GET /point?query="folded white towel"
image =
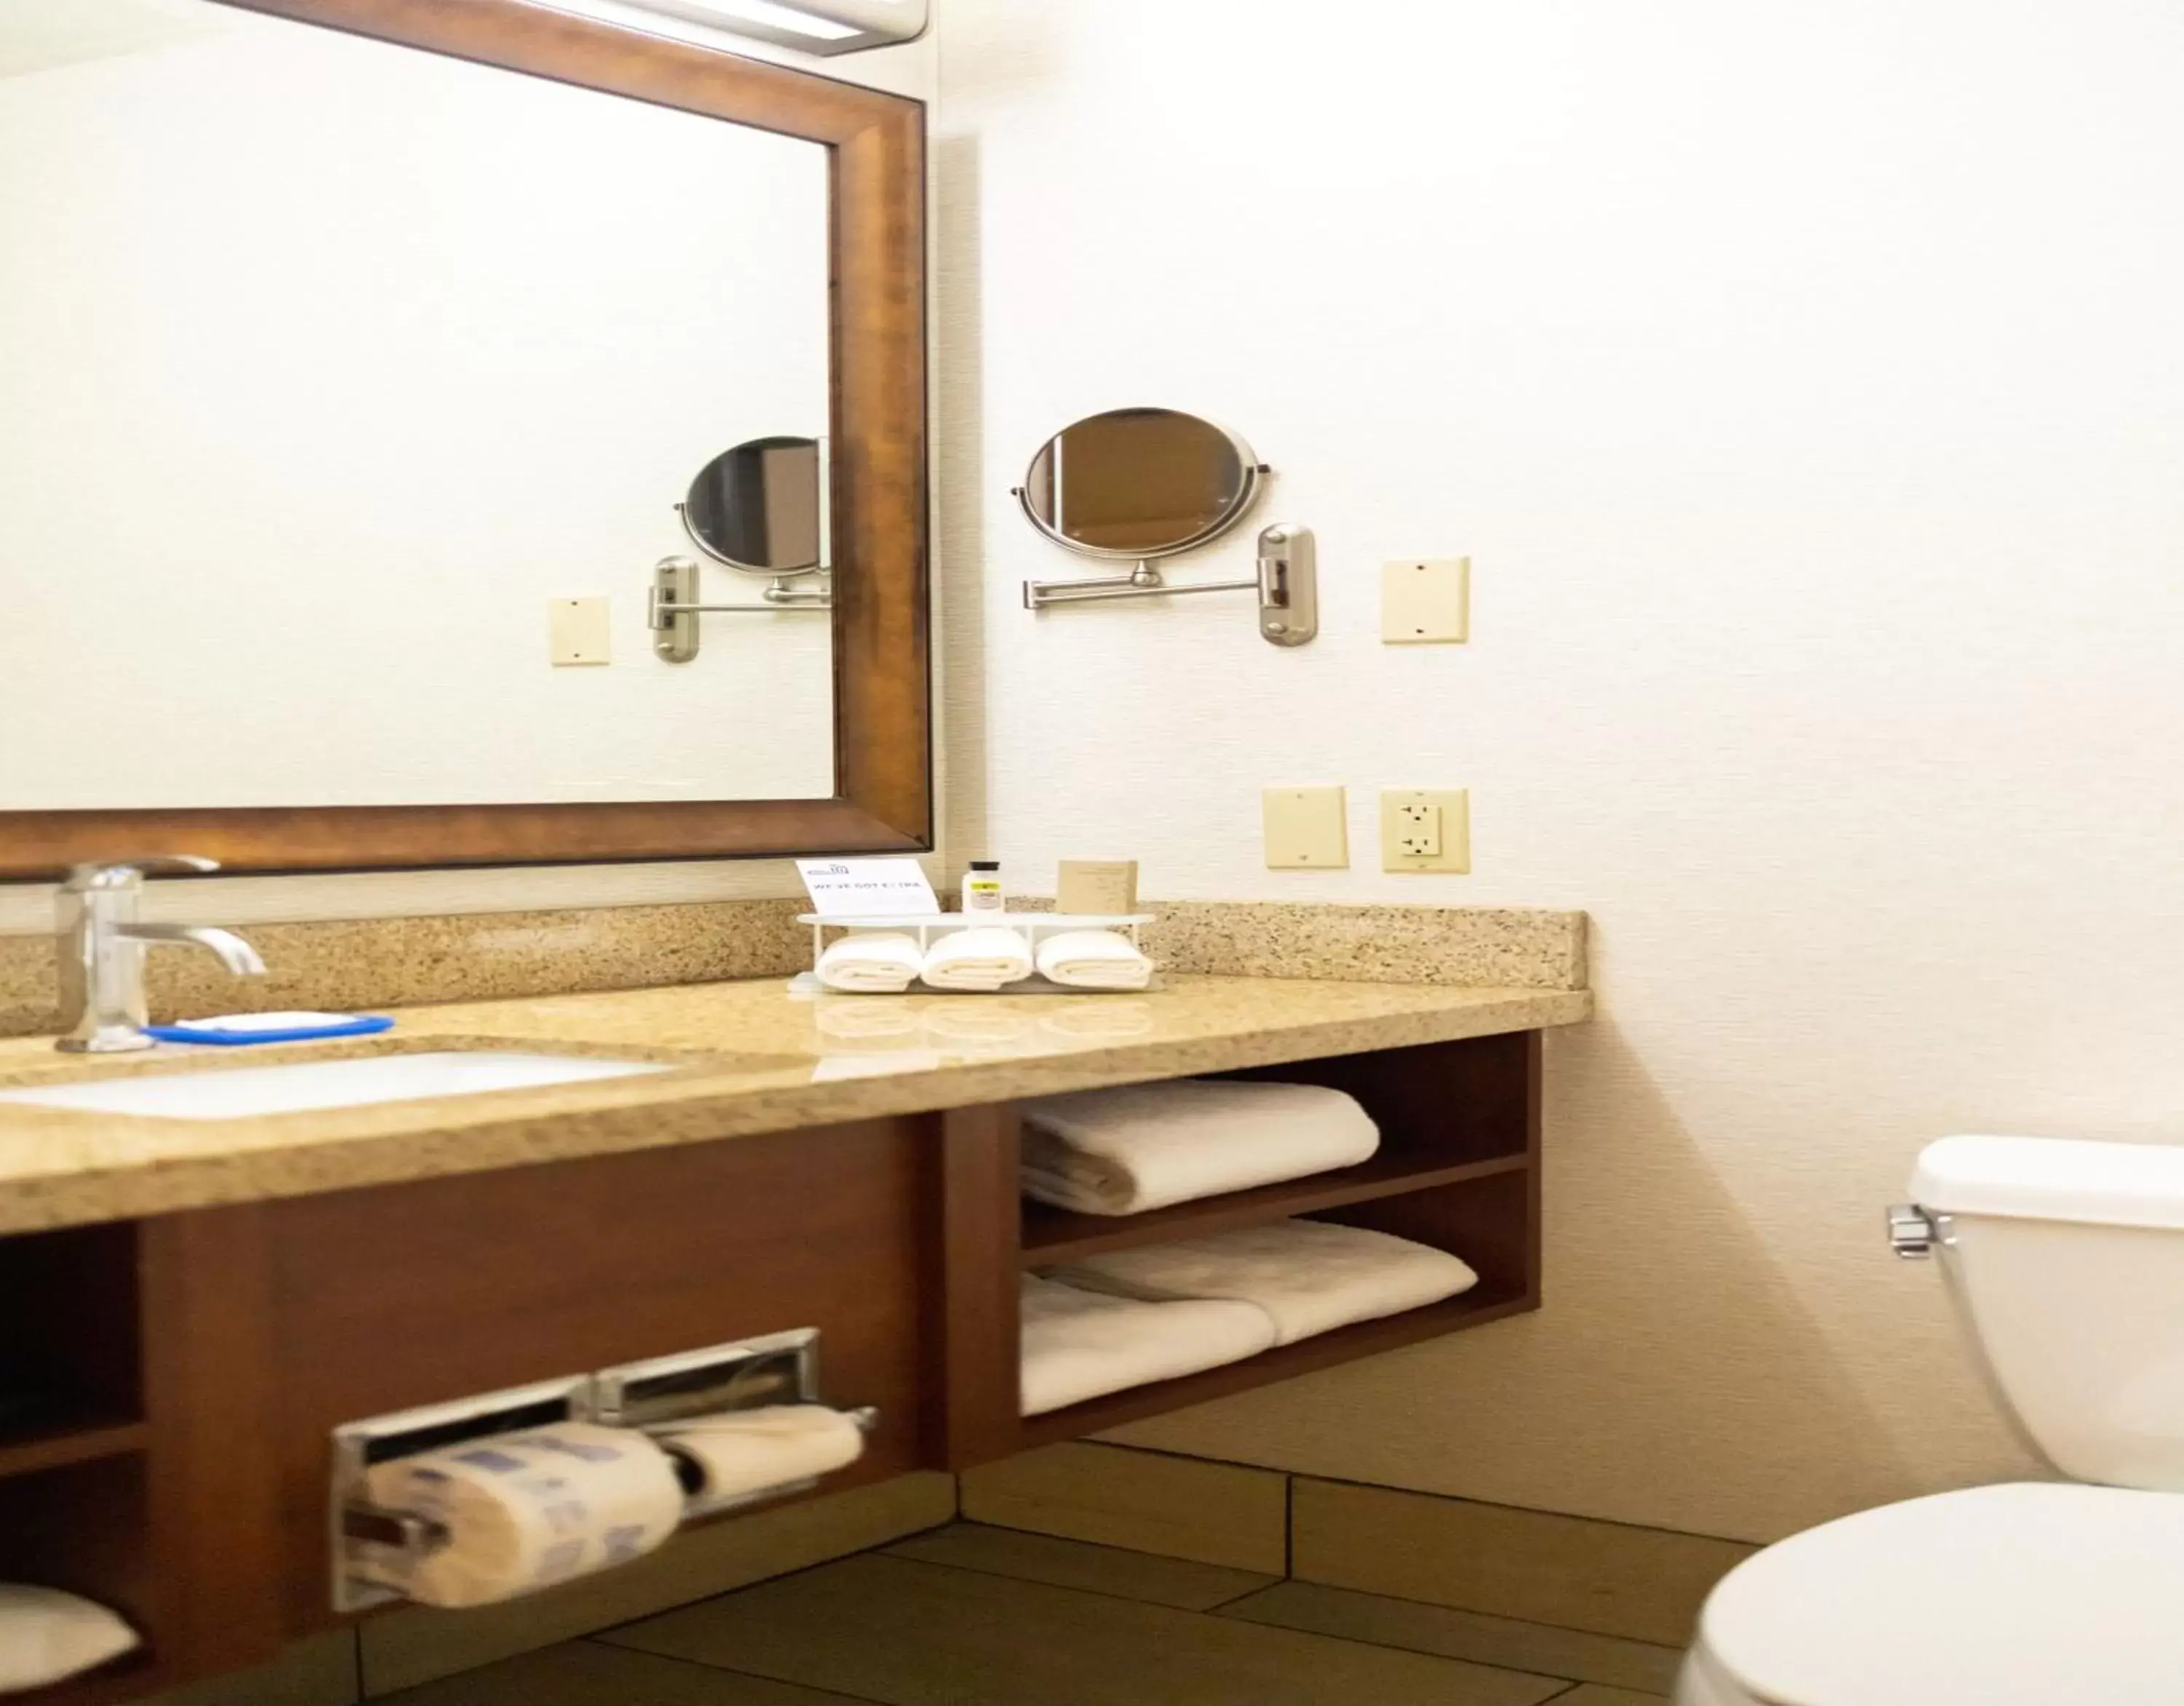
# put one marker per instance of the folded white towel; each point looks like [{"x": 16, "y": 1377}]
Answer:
[
  {"x": 47, "y": 1636},
  {"x": 1308, "y": 1275},
  {"x": 873, "y": 963},
  {"x": 984, "y": 959},
  {"x": 1093, "y": 959},
  {"x": 1080, "y": 1345},
  {"x": 1145, "y": 1146}
]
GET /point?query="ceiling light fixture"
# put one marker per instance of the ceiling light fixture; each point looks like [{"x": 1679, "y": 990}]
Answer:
[{"x": 817, "y": 26}]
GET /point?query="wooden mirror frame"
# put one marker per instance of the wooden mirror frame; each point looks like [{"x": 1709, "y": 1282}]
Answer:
[{"x": 883, "y": 799}]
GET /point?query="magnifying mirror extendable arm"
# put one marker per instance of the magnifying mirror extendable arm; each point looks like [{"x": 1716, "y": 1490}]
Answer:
[
  {"x": 1143, "y": 484},
  {"x": 1145, "y": 581},
  {"x": 1288, "y": 586}
]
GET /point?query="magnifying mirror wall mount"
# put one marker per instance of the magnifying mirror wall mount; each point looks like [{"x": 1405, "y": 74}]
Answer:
[{"x": 1141, "y": 486}]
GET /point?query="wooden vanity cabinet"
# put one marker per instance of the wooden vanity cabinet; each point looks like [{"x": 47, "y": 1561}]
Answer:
[
  {"x": 199, "y": 1361},
  {"x": 202, "y": 1512}
]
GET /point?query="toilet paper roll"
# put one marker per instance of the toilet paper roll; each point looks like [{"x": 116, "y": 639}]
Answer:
[
  {"x": 525, "y": 1511},
  {"x": 750, "y": 1450}
]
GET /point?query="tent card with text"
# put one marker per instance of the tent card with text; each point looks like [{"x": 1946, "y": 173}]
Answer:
[{"x": 867, "y": 887}]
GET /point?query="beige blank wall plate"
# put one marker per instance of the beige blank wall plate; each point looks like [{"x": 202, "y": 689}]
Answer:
[
  {"x": 1306, "y": 828},
  {"x": 576, "y": 630},
  {"x": 1425, "y": 829},
  {"x": 1426, "y": 601}
]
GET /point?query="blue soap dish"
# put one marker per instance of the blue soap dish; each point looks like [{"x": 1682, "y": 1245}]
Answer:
[{"x": 242, "y": 1029}]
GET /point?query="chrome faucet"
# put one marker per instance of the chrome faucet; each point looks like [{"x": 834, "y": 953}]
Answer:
[{"x": 103, "y": 946}]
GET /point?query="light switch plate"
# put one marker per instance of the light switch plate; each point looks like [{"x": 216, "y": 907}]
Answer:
[
  {"x": 1426, "y": 601},
  {"x": 1425, "y": 829},
  {"x": 576, "y": 630},
  {"x": 1306, "y": 828}
]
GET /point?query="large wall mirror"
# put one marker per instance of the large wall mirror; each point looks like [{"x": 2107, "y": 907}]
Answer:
[{"x": 355, "y": 382}]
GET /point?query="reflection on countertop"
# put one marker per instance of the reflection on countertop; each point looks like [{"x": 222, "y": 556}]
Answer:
[{"x": 750, "y": 1058}]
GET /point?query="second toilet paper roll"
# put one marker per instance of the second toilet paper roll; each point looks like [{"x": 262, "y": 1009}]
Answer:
[
  {"x": 750, "y": 1451},
  {"x": 526, "y": 1511}
]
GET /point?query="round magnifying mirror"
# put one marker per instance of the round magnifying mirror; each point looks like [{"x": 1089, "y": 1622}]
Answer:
[
  {"x": 757, "y": 508},
  {"x": 1141, "y": 483}
]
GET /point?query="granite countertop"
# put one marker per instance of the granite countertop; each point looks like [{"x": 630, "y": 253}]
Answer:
[{"x": 749, "y": 1058}]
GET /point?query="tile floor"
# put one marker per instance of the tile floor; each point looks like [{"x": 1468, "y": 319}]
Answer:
[{"x": 974, "y": 1616}]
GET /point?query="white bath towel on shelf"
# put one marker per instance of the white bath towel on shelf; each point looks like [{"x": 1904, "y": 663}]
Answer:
[
  {"x": 1146, "y": 1146},
  {"x": 873, "y": 963},
  {"x": 47, "y": 1636},
  {"x": 1308, "y": 1275},
  {"x": 1080, "y": 1345},
  {"x": 1093, "y": 959},
  {"x": 985, "y": 959}
]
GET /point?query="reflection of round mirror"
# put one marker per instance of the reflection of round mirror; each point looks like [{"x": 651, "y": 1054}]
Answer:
[
  {"x": 1141, "y": 483},
  {"x": 756, "y": 507}
]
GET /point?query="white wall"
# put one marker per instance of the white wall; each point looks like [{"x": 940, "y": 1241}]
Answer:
[
  {"x": 1807, "y": 382},
  {"x": 329, "y": 363}
]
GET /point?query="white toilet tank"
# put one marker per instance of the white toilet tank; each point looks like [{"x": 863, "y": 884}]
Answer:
[{"x": 2067, "y": 1261}]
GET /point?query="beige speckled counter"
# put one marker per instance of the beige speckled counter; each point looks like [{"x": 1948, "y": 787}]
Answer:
[{"x": 747, "y": 1057}]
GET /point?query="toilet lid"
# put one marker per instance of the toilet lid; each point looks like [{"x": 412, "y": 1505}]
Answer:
[{"x": 2026, "y": 1595}]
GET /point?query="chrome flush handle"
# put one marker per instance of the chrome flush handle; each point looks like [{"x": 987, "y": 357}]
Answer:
[{"x": 1912, "y": 1232}]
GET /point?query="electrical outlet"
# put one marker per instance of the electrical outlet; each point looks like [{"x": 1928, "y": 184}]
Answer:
[
  {"x": 1306, "y": 828},
  {"x": 577, "y": 631},
  {"x": 1418, "y": 830},
  {"x": 1426, "y": 601},
  {"x": 1425, "y": 829}
]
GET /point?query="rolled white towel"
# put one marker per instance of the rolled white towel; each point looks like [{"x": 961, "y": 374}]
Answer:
[
  {"x": 1146, "y": 1146},
  {"x": 1080, "y": 1345},
  {"x": 876, "y": 963},
  {"x": 984, "y": 959},
  {"x": 1093, "y": 959},
  {"x": 1308, "y": 1275}
]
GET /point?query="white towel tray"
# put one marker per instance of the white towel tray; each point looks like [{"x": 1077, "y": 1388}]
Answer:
[{"x": 926, "y": 927}]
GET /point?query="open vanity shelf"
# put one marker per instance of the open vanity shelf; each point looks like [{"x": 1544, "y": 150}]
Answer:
[
  {"x": 1458, "y": 1169},
  {"x": 192, "y": 1368},
  {"x": 75, "y": 1478}
]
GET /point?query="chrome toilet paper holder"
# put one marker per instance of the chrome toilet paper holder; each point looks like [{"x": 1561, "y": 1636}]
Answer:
[
  {"x": 654, "y": 1397},
  {"x": 363, "y": 1533}
]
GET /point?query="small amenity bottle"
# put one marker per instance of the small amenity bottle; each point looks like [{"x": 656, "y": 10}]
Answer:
[{"x": 981, "y": 888}]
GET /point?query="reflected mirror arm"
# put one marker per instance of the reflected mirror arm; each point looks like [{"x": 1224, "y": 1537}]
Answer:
[{"x": 672, "y": 608}]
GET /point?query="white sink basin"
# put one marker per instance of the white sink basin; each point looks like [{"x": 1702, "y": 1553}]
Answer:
[{"x": 237, "y": 1092}]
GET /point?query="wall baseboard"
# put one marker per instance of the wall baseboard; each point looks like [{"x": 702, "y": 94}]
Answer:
[
  {"x": 1605, "y": 1578},
  {"x": 1141, "y": 1501}
]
